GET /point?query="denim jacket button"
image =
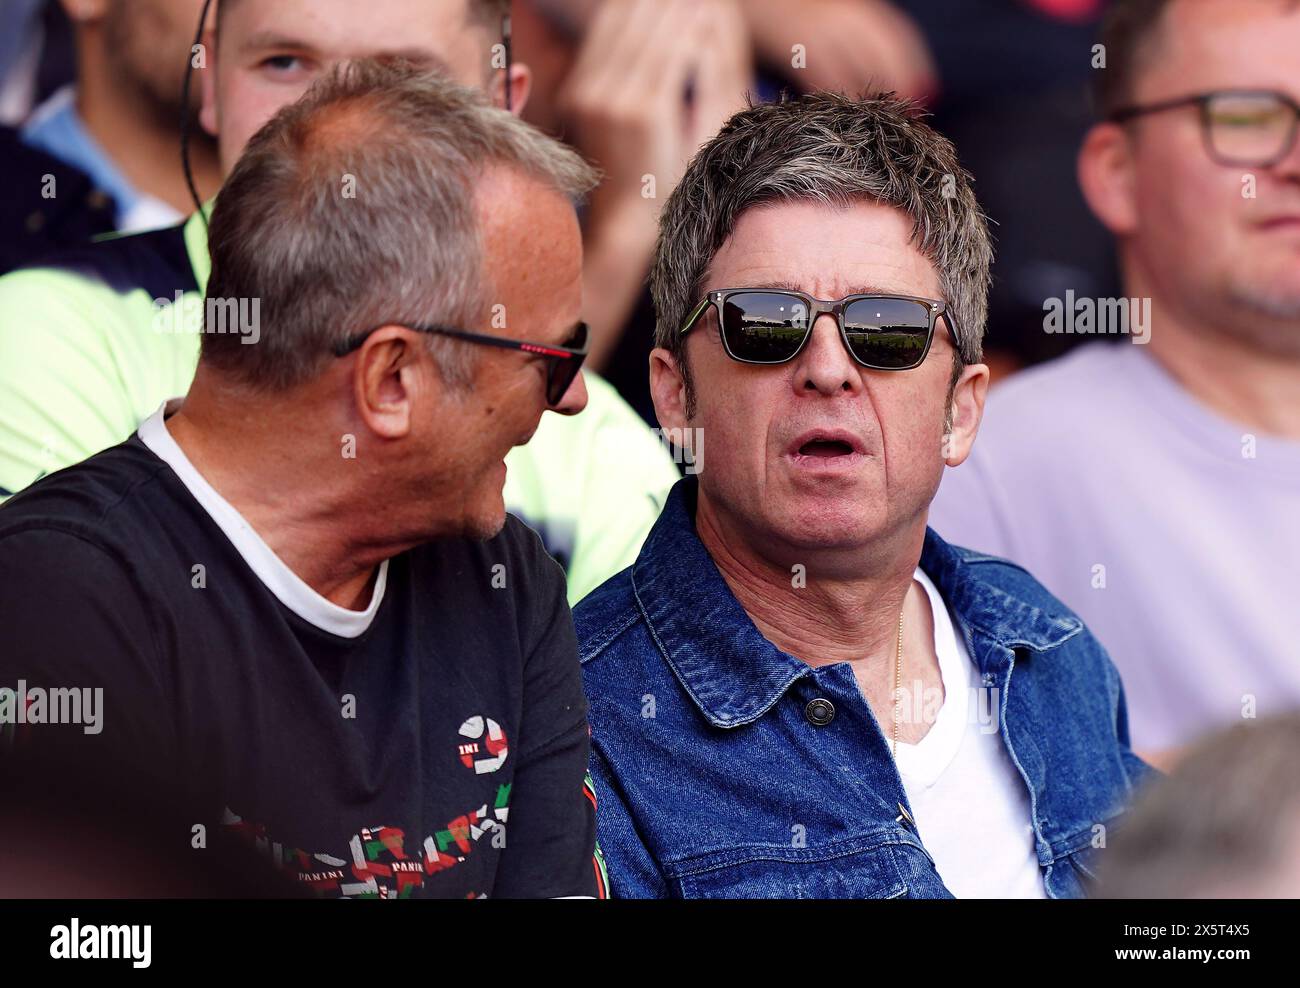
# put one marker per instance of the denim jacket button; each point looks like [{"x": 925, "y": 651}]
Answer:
[{"x": 820, "y": 711}]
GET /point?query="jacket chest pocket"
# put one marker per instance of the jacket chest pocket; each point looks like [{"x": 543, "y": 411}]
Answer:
[{"x": 859, "y": 869}]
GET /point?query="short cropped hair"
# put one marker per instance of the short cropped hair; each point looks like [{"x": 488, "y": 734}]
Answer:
[
  {"x": 824, "y": 147},
  {"x": 1127, "y": 33},
  {"x": 354, "y": 208},
  {"x": 1130, "y": 30}
]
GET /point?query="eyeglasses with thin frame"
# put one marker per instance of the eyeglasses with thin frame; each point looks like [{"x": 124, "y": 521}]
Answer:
[
  {"x": 772, "y": 326},
  {"x": 1242, "y": 128},
  {"x": 563, "y": 361}
]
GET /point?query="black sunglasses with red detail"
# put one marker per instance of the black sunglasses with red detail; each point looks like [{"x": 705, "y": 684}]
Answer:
[{"x": 563, "y": 361}]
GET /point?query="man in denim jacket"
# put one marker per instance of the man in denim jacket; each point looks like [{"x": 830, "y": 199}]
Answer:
[{"x": 798, "y": 689}]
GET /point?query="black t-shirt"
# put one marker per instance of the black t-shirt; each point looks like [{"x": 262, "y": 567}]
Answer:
[{"x": 442, "y": 751}]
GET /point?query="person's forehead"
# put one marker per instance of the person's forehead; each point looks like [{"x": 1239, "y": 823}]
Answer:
[
  {"x": 1222, "y": 44},
  {"x": 420, "y": 30},
  {"x": 531, "y": 240},
  {"x": 821, "y": 248}
]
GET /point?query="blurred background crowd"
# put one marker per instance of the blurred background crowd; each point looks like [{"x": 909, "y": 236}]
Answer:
[{"x": 1005, "y": 79}]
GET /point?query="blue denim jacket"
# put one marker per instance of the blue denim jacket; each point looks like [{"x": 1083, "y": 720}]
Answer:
[{"x": 708, "y": 767}]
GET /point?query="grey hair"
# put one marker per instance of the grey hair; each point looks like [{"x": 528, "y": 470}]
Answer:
[
  {"x": 834, "y": 149},
  {"x": 353, "y": 208}
]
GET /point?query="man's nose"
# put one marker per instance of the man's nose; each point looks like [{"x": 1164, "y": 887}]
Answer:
[
  {"x": 575, "y": 399},
  {"x": 824, "y": 365}
]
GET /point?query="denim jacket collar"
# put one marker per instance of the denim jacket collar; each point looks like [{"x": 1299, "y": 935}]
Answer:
[{"x": 735, "y": 675}]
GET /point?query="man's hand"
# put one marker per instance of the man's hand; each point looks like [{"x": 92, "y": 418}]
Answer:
[
  {"x": 849, "y": 46},
  {"x": 625, "y": 107}
]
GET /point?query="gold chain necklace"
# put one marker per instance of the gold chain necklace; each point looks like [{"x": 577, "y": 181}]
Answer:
[{"x": 898, "y": 682}]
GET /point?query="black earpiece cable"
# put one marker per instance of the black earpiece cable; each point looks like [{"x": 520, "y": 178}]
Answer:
[
  {"x": 506, "y": 43},
  {"x": 187, "y": 114}
]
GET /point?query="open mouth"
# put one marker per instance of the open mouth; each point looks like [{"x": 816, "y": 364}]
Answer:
[{"x": 825, "y": 448}]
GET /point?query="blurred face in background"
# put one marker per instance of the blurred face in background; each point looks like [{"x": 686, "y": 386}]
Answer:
[
  {"x": 269, "y": 52},
  {"x": 819, "y": 453},
  {"x": 1188, "y": 225},
  {"x": 146, "y": 46},
  {"x": 549, "y": 33}
]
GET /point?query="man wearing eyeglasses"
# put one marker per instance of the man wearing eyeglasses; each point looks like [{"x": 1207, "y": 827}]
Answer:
[
  {"x": 299, "y": 595},
  {"x": 91, "y": 341},
  {"x": 798, "y": 690},
  {"x": 1155, "y": 488}
]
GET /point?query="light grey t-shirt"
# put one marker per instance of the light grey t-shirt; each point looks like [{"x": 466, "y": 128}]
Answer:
[{"x": 1173, "y": 533}]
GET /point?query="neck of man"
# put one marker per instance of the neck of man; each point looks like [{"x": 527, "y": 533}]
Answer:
[
  {"x": 142, "y": 144},
  {"x": 1253, "y": 387},
  {"x": 279, "y": 463},
  {"x": 847, "y": 609}
]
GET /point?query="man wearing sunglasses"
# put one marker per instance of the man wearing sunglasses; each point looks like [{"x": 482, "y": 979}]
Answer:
[
  {"x": 300, "y": 594},
  {"x": 1155, "y": 488},
  {"x": 798, "y": 690},
  {"x": 87, "y": 338}
]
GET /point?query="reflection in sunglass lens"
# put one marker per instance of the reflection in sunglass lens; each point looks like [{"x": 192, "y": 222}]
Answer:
[
  {"x": 888, "y": 333},
  {"x": 764, "y": 327},
  {"x": 1249, "y": 128}
]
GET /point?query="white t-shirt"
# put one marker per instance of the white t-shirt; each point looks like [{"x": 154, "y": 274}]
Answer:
[
  {"x": 968, "y": 798},
  {"x": 1170, "y": 530}
]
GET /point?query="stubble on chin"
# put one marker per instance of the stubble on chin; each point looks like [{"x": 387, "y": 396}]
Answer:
[
  {"x": 1267, "y": 319},
  {"x": 484, "y": 526}
]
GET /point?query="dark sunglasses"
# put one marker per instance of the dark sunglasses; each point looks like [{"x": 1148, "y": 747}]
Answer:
[
  {"x": 771, "y": 326},
  {"x": 563, "y": 361}
]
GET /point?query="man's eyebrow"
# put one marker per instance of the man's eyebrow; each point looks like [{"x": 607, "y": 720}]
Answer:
[
  {"x": 274, "y": 39},
  {"x": 277, "y": 40}
]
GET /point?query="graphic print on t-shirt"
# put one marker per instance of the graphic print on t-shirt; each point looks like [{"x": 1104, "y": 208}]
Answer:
[
  {"x": 495, "y": 743},
  {"x": 376, "y": 864},
  {"x": 598, "y": 856}
]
